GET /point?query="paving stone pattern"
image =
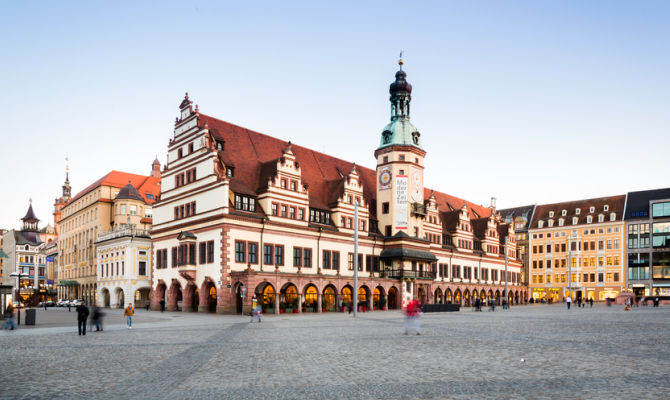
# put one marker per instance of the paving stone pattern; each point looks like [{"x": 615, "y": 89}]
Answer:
[{"x": 599, "y": 353}]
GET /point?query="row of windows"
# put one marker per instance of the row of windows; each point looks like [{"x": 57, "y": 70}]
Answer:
[
  {"x": 348, "y": 222},
  {"x": 578, "y": 211},
  {"x": 575, "y": 246},
  {"x": 575, "y": 220},
  {"x": 611, "y": 229},
  {"x": 180, "y": 151},
  {"x": 186, "y": 254},
  {"x": 184, "y": 178},
  {"x": 293, "y": 184},
  {"x": 467, "y": 272},
  {"x": 185, "y": 210},
  {"x": 286, "y": 211},
  {"x": 245, "y": 203},
  {"x": 586, "y": 262},
  {"x": 586, "y": 278},
  {"x": 660, "y": 209}
]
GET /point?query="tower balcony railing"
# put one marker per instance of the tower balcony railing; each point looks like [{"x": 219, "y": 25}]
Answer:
[
  {"x": 402, "y": 273},
  {"x": 117, "y": 233}
]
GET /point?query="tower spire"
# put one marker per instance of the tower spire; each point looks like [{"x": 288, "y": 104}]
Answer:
[{"x": 67, "y": 190}]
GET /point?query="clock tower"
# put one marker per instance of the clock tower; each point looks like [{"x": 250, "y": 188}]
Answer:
[{"x": 400, "y": 203}]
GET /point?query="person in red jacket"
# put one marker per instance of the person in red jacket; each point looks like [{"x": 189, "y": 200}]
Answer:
[{"x": 412, "y": 316}]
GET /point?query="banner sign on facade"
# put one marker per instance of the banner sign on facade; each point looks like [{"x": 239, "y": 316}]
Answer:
[
  {"x": 50, "y": 270},
  {"x": 401, "y": 187}
]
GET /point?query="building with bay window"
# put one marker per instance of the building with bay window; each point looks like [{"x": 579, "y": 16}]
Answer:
[
  {"x": 244, "y": 213},
  {"x": 577, "y": 249}
]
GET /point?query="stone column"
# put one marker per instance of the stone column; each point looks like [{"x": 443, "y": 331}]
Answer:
[
  {"x": 276, "y": 303},
  {"x": 318, "y": 302},
  {"x": 370, "y": 302},
  {"x": 300, "y": 300}
]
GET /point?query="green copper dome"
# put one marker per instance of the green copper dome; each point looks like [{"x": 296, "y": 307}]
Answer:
[{"x": 400, "y": 131}]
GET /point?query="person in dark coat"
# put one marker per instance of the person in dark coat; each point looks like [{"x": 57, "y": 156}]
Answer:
[
  {"x": 162, "y": 305},
  {"x": 82, "y": 316}
]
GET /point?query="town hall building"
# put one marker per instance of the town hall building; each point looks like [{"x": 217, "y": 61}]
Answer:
[{"x": 241, "y": 213}]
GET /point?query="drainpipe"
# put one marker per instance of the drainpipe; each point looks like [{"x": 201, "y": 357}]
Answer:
[
  {"x": 261, "y": 250},
  {"x": 318, "y": 258}
]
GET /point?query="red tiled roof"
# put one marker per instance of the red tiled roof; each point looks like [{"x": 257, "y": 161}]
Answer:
[
  {"x": 615, "y": 205},
  {"x": 254, "y": 155},
  {"x": 143, "y": 183}
]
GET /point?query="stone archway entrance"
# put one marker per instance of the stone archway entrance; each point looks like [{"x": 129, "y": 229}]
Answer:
[
  {"x": 393, "y": 298},
  {"x": 378, "y": 298},
  {"x": 120, "y": 302},
  {"x": 311, "y": 298},
  {"x": 329, "y": 299},
  {"x": 105, "y": 298}
]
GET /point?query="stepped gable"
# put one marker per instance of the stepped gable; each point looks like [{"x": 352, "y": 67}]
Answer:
[
  {"x": 479, "y": 227},
  {"x": 144, "y": 184},
  {"x": 450, "y": 219},
  {"x": 503, "y": 231},
  {"x": 615, "y": 203},
  {"x": 256, "y": 154}
]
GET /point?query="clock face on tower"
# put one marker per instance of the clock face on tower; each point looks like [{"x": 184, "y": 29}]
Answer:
[
  {"x": 385, "y": 177},
  {"x": 417, "y": 187}
]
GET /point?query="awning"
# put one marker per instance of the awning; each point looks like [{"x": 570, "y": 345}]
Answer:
[{"x": 412, "y": 254}]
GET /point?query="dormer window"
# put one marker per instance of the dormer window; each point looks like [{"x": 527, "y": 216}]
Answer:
[
  {"x": 550, "y": 223},
  {"x": 578, "y": 211},
  {"x": 575, "y": 220},
  {"x": 229, "y": 172},
  {"x": 592, "y": 209},
  {"x": 540, "y": 224},
  {"x": 606, "y": 207},
  {"x": 589, "y": 219},
  {"x": 219, "y": 145},
  {"x": 601, "y": 218},
  {"x": 613, "y": 217},
  {"x": 551, "y": 214},
  {"x": 245, "y": 203},
  {"x": 564, "y": 213},
  {"x": 560, "y": 221}
]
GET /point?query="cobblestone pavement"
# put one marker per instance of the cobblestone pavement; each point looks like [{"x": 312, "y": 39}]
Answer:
[{"x": 599, "y": 353}]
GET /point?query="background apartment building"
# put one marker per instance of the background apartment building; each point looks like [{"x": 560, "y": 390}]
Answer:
[
  {"x": 85, "y": 216},
  {"x": 577, "y": 249}
]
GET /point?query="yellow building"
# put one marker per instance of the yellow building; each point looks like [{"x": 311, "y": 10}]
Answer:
[
  {"x": 577, "y": 247},
  {"x": 90, "y": 213}
]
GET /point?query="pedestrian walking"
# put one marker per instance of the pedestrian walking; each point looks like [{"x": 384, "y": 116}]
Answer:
[
  {"x": 82, "y": 316},
  {"x": 148, "y": 303},
  {"x": 162, "y": 305},
  {"x": 69, "y": 304},
  {"x": 591, "y": 302},
  {"x": 128, "y": 313},
  {"x": 256, "y": 313},
  {"x": 412, "y": 316},
  {"x": 568, "y": 301},
  {"x": 96, "y": 318},
  {"x": 9, "y": 318}
]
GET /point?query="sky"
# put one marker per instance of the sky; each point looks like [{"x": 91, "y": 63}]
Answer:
[{"x": 530, "y": 102}]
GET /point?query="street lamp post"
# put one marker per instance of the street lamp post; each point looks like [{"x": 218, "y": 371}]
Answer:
[
  {"x": 355, "y": 257},
  {"x": 18, "y": 294},
  {"x": 506, "y": 262},
  {"x": 570, "y": 274}
]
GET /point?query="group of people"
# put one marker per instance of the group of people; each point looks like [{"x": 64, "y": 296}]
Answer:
[
  {"x": 580, "y": 303},
  {"x": 97, "y": 316}
]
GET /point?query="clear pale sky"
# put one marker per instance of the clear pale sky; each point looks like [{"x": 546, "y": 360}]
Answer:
[{"x": 527, "y": 101}]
